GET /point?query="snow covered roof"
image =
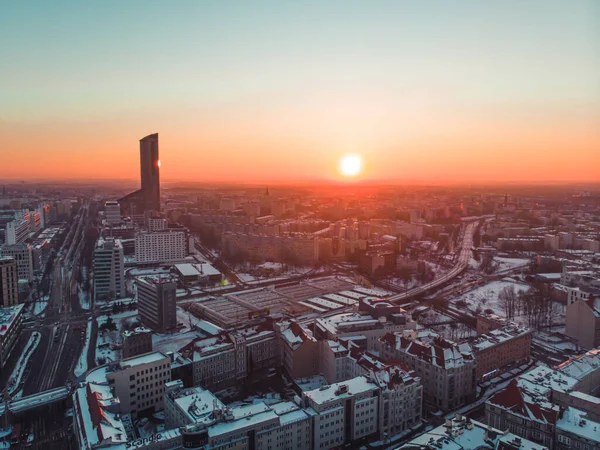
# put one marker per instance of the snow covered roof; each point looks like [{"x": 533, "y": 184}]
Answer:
[
  {"x": 499, "y": 336},
  {"x": 543, "y": 379},
  {"x": 519, "y": 401},
  {"x": 430, "y": 347},
  {"x": 341, "y": 390},
  {"x": 462, "y": 433},
  {"x": 581, "y": 366},
  {"x": 575, "y": 421},
  {"x": 197, "y": 403},
  {"x": 8, "y": 315}
]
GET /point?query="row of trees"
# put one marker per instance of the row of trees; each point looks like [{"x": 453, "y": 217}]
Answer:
[{"x": 534, "y": 304}]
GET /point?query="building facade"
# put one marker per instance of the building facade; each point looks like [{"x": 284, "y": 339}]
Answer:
[
  {"x": 109, "y": 270},
  {"x": 9, "y": 287},
  {"x": 23, "y": 256},
  {"x": 157, "y": 298},
  {"x": 161, "y": 246}
]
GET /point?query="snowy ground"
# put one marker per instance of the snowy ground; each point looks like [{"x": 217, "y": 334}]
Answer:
[
  {"x": 82, "y": 365},
  {"x": 141, "y": 272},
  {"x": 14, "y": 382},
  {"x": 84, "y": 298},
  {"x": 486, "y": 296},
  {"x": 504, "y": 264},
  {"x": 108, "y": 344},
  {"x": 40, "y": 305}
]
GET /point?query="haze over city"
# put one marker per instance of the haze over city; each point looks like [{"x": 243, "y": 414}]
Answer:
[
  {"x": 300, "y": 225},
  {"x": 279, "y": 92}
]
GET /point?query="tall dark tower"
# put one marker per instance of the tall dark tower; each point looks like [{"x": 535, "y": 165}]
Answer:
[{"x": 150, "y": 171}]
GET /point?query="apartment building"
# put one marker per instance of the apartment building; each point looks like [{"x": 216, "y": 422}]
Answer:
[
  {"x": 299, "y": 349},
  {"x": 23, "y": 256},
  {"x": 501, "y": 348},
  {"x": 230, "y": 357},
  {"x": 109, "y": 269},
  {"x": 161, "y": 246},
  {"x": 583, "y": 316},
  {"x": 448, "y": 371}
]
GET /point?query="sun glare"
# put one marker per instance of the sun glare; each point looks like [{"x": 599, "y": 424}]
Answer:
[{"x": 350, "y": 165}]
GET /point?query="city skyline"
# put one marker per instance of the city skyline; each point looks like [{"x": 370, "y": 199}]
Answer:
[{"x": 278, "y": 93}]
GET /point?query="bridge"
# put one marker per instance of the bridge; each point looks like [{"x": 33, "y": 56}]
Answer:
[{"x": 40, "y": 399}]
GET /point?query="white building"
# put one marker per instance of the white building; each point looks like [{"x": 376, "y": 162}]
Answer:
[
  {"x": 345, "y": 412},
  {"x": 17, "y": 230},
  {"x": 109, "y": 270},
  {"x": 161, "y": 246},
  {"x": 23, "y": 256},
  {"x": 112, "y": 212},
  {"x": 156, "y": 224},
  {"x": 111, "y": 391}
]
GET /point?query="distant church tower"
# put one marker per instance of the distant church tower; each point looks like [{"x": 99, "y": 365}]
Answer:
[{"x": 267, "y": 191}]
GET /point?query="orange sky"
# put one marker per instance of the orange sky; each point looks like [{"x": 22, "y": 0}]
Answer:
[{"x": 426, "y": 92}]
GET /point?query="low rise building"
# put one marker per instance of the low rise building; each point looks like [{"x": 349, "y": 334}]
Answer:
[
  {"x": 501, "y": 348},
  {"x": 11, "y": 323},
  {"x": 574, "y": 429},
  {"x": 137, "y": 342}
]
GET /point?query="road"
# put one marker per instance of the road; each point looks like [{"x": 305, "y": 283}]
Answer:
[
  {"x": 461, "y": 264},
  {"x": 53, "y": 362}
]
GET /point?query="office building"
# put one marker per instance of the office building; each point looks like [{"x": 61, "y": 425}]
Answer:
[
  {"x": 112, "y": 212},
  {"x": 23, "y": 256},
  {"x": 109, "y": 270},
  {"x": 161, "y": 246},
  {"x": 148, "y": 197},
  {"x": 9, "y": 288},
  {"x": 157, "y": 302}
]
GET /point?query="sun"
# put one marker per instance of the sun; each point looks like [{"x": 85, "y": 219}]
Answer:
[{"x": 350, "y": 165}]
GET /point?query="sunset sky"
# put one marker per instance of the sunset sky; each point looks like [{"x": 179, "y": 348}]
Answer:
[{"x": 279, "y": 91}]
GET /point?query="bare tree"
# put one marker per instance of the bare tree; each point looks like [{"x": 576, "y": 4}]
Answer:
[{"x": 508, "y": 300}]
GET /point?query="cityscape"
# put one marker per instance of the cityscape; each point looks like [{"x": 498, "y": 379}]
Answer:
[{"x": 285, "y": 279}]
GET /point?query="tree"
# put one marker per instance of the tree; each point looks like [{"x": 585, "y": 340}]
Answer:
[{"x": 508, "y": 300}]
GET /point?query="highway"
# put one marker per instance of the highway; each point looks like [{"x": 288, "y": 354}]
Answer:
[
  {"x": 461, "y": 264},
  {"x": 62, "y": 341}
]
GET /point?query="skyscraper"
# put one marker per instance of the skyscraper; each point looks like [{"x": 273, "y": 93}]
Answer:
[
  {"x": 149, "y": 171},
  {"x": 148, "y": 197}
]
